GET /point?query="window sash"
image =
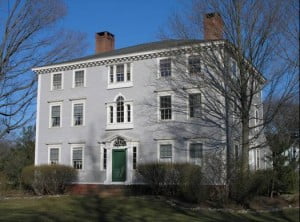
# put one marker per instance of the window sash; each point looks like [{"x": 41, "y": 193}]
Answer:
[
  {"x": 104, "y": 158},
  {"x": 55, "y": 116},
  {"x": 165, "y": 107},
  {"x": 165, "y": 151},
  {"x": 195, "y": 105},
  {"x": 194, "y": 64},
  {"x": 128, "y": 113},
  {"x": 128, "y": 72},
  {"x": 111, "y": 114},
  {"x": 54, "y": 155},
  {"x": 78, "y": 114},
  {"x": 196, "y": 150},
  {"x": 134, "y": 157},
  {"x": 120, "y": 110},
  {"x": 120, "y": 73},
  {"x": 111, "y": 74},
  {"x": 57, "y": 81},
  {"x": 165, "y": 67},
  {"x": 79, "y": 78},
  {"x": 77, "y": 157}
]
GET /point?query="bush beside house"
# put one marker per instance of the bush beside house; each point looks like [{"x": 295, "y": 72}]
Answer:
[{"x": 48, "y": 179}]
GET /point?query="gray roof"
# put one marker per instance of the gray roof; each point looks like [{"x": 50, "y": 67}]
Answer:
[{"x": 165, "y": 44}]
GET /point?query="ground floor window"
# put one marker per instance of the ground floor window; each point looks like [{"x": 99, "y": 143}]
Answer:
[
  {"x": 77, "y": 157},
  {"x": 196, "y": 153},
  {"x": 54, "y": 155},
  {"x": 134, "y": 157},
  {"x": 165, "y": 152}
]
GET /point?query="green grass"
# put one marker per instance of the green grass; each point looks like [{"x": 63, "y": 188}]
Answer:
[{"x": 93, "y": 208}]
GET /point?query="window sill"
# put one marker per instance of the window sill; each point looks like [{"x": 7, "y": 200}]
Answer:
[
  {"x": 119, "y": 126},
  {"x": 120, "y": 85}
]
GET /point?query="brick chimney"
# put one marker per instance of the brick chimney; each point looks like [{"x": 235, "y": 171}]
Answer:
[
  {"x": 105, "y": 42},
  {"x": 213, "y": 26}
]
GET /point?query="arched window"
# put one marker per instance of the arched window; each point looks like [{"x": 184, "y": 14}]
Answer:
[{"x": 120, "y": 109}]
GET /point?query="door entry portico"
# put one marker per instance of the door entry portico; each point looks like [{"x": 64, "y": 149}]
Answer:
[{"x": 118, "y": 165}]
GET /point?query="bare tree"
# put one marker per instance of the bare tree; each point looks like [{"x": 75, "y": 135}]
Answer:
[
  {"x": 252, "y": 56},
  {"x": 29, "y": 36}
]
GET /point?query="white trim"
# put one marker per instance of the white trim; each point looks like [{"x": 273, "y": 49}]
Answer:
[
  {"x": 158, "y": 75},
  {"x": 62, "y": 81},
  {"x": 165, "y": 93},
  {"x": 165, "y": 142},
  {"x": 74, "y": 146},
  {"x": 84, "y": 78},
  {"x": 199, "y": 44},
  {"x": 37, "y": 130},
  {"x": 189, "y": 92},
  {"x": 57, "y": 146},
  {"x": 80, "y": 101},
  {"x": 121, "y": 84},
  {"x": 51, "y": 104}
]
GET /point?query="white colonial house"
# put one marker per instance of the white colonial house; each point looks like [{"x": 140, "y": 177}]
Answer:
[{"x": 92, "y": 112}]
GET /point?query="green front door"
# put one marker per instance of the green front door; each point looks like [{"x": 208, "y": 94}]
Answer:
[{"x": 118, "y": 165}]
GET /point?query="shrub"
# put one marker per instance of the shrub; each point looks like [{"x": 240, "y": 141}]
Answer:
[
  {"x": 47, "y": 179},
  {"x": 178, "y": 180},
  {"x": 246, "y": 187},
  {"x": 3, "y": 184}
]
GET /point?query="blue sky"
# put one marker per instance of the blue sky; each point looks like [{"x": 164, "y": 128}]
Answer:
[{"x": 131, "y": 21}]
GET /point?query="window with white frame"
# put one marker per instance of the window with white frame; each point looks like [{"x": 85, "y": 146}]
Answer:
[
  {"x": 55, "y": 115},
  {"x": 165, "y": 152},
  {"x": 77, "y": 157},
  {"x": 134, "y": 157},
  {"x": 194, "y": 65},
  {"x": 196, "y": 153},
  {"x": 57, "y": 81},
  {"x": 165, "y": 67},
  {"x": 79, "y": 78},
  {"x": 54, "y": 155},
  {"x": 120, "y": 109},
  {"x": 119, "y": 114},
  {"x": 120, "y": 75},
  {"x": 195, "y": 105},
  {"x": 78, "y": 113},
  {"x": 165, "y": 107}
]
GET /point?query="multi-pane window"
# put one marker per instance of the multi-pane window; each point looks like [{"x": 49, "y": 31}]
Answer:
[
  {"x": 104, "y": 158},
  {"x": 128, "y": 72},
  {"x": 165, "y": 107},
  {"x": 165, "y": 67},
  {"x": 54, "y": 155},
  {"x": 56, "y": 81},
  {"x": 78, "y": 114},
  {"x": 128, "y": 113},
  {"x": 134, "y": 157},
  {"x": 111, "y": 74},
  {"x": 120, "y": 73},
  {"x": 195, "y": 105},
  {"x": 111, "y": 114},
  {"x": 165, "y": 152},
  {"x": 120, "y": 109},
  {"x": 55, "y": 116},
  {"x": 77, "y": 157},
  {"x": 194, "y": 64},
  {"x": 79, "y": 78},
  {"x": 196, "y": 153}
]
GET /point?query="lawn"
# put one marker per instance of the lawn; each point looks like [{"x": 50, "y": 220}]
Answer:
[{"x": 93, "y": 208}]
